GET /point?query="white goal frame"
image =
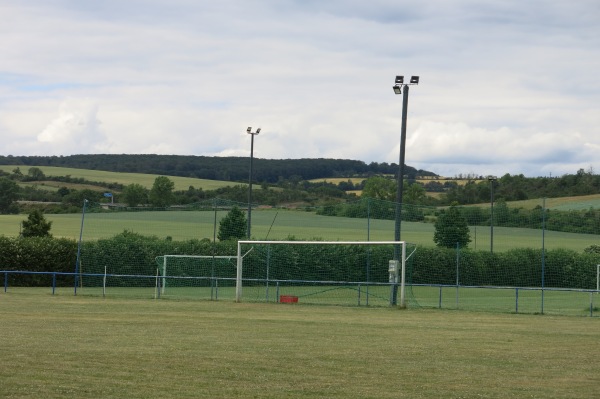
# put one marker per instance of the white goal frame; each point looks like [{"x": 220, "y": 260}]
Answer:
[{"x": 394, "y": 271}]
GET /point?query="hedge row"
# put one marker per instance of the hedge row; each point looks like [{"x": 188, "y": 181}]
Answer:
[
  {"x": 38, "y": 254},
  {"x": 131, "y": 253},
  {"x": 562, "y": 268}
]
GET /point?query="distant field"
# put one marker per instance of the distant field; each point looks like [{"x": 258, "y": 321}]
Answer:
[
  {"x": 67, "y": 346},
  {"x": 146, "y": 180},
  {"x": 358, "y": 180},
  {"x": 460, "y": 182},
  {"x": 562, "y": 204},
  {"x": 280, "y": 224},
  {"x": 338, "y": 180}
]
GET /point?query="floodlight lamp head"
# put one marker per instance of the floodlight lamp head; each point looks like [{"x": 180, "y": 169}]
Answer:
[
  {"x": 248, "y": 130},
  {"x": 397, "y": 89},
  {"x": 414, "y": 80},
  {"x": 492, "y": 178},
  {"x": 399, "y": 80},
  {"x": 258, "y": 131}
]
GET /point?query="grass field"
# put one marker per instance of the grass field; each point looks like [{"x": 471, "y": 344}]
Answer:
[
  {"x": 146, "y": 180},
  {"x": 562, "y": 203},
  {"x": 72, "y": 347},
  {"x": 558, "y": 302},
  {"x": 283, "y": 223}
]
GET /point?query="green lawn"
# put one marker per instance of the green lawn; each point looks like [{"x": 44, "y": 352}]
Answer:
[
  {"x": 280, "y": 224},
  {"x": 146, "y": 180},
  {"x": 507, "y": 300},
  {"x": 560, "y": 203},
  {"x": 72, "y": 347},
  {"x": 495, "y": 300}
]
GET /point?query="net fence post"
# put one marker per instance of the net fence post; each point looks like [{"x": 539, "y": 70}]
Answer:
[
  {"x": 403, "y": 277},
  {"x": 164, "y": 274},
  {"x": 238, "y": 279}
]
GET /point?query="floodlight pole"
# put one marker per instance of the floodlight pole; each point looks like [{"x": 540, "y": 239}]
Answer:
[
  {"x": 249, "y": 131},
  {"x": 400, "y": 186},
  {"x": 400, "y": 88}
]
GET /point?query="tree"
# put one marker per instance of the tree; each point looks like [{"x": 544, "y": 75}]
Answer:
[
  {"x": 76, "y": 197},
  {"x": 17, "y": 174},
  {"x": 35, "y": 174},
  {"x": 233, "y": 225},
  {"x": 9, "y": 192},
  {"x": 161, "y": 193},
  {"x": 451, "y": 228},
  {"x": 36, "y": 225},
  {"x": 415, "y": 194},
  {"x": 135, "y": 194},
  {"x": 378, "y": 187}
]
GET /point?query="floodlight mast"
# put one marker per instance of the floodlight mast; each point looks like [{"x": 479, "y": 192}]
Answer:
[
  {"x": 249, "y": 131},
  {"x": 398, "y": 87}
]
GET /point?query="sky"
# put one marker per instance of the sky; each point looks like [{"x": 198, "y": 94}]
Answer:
[{"x": 505, "y": 86}]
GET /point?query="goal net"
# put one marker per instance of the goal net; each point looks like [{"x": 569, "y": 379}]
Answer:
[
  {"x": 198, "y": 276},
  {"x": 322, "y": 272}
]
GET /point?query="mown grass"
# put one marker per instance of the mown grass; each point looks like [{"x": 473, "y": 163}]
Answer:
[
  {"x": 146, "y": 180},
  {"x": 71, "y": 347},
  {"x": 489, "y": 299}
]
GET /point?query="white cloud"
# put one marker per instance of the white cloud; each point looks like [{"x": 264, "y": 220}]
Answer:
[
  {"x": 505, "y": 86},
  {"x": 76, "y": 129}
]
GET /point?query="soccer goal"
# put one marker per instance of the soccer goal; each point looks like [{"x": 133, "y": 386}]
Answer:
[
  {"x": 195, "y": 275},
  {"x": 322, "y": 272}
]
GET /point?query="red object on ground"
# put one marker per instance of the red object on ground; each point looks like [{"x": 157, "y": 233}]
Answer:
[{"x": 288, "y": 299}]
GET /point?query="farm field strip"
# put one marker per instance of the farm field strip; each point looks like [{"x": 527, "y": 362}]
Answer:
[
  {"x": 283, "y": 224},
  {"x": 146, "y": 180}
]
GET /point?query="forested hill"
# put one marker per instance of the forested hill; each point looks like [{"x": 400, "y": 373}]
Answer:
[{"x": 215, "y": 168}]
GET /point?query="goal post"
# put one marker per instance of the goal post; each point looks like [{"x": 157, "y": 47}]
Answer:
[{"x": 330, "y": 265}]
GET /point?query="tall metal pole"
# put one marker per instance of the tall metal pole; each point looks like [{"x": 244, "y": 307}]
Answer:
[
  {"x": 400, "y": 188},
  {"x": 250, "y": 132},
  {"x": 543, "y": 249},
  {"x": 79, "y": 244},
  {"x": 250, "y": 186},
  {"x": 492, "y": 218}
]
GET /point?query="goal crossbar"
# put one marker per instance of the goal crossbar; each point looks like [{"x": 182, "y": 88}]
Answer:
[{"x": 397, "y": 268}]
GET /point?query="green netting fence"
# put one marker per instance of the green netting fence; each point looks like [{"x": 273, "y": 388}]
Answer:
[{"x": 513, "y": 259}]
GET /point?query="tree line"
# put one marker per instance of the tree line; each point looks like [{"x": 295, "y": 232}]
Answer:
[{"x": 216, "y": 168}]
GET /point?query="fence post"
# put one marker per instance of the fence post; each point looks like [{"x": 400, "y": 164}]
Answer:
[{"x": 457, "y": 271}]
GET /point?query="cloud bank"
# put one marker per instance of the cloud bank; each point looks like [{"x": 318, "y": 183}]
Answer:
[{"x": 506, "y": 87}]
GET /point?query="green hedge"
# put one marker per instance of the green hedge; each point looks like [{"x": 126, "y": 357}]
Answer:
[
  {"x": 38, "y": 254},
  {"x": 563, "y": 268},
  {"x": 131, "y": 253}
]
